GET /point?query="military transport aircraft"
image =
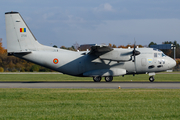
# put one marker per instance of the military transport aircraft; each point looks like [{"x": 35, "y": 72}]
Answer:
[{"x": 100, "y": 61}]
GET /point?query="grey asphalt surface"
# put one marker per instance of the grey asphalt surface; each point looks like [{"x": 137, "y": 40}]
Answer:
[
  {"x": 61, "y": 73},
  {"x": 101, "y": 85}
]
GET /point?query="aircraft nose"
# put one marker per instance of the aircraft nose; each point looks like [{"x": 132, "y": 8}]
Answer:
[{"x": 172, "y": 63}]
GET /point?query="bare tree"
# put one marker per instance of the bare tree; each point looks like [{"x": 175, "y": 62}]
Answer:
[{"x": 76, "y": 45}]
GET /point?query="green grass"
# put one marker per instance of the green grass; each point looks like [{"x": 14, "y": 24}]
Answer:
[
  {"x": 62, "y": 77},
  {"x": 85, "y": 104}
]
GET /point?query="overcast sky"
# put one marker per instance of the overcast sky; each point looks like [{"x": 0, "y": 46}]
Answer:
[{"x": 65, "y": 22}]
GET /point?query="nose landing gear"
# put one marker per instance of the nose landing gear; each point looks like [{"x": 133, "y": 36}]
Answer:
[{"x": 151, "y": 78}]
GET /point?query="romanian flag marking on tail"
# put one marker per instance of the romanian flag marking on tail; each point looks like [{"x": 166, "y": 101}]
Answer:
[{"x": 22, "y": 29}]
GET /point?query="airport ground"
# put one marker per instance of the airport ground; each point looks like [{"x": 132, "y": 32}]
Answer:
[
  {"x": 56, "y": 80},
  {"x": 88, "y": 103},
  {"x": 55, "y": 76}
]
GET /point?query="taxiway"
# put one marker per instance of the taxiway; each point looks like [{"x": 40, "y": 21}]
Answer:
[{"x": 101, "y": 85}]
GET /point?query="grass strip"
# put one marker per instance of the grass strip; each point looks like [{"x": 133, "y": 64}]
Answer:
[{"x": 90, "y": 104}]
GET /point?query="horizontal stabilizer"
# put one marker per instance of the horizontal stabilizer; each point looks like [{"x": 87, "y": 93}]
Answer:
[{"x": 22, "y": 53}]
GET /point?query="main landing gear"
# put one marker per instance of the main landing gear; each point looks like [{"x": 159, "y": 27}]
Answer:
[
  {"x": 107, "y": 79},
  {"x": 97, "y": 79}
]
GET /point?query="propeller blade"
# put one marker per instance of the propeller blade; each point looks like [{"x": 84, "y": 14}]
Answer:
[{"x": 134, "y": 54}]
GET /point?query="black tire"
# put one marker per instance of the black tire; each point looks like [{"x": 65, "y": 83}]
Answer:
[
  {"x": 108, "y": 79},
  {"x": 97, "y": 79},
  {"x": 151, "y": 78}
]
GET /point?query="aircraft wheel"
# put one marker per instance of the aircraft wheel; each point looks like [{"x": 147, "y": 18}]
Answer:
[
  {"x": 151, "y": 78},
  {"x": 109, "y": 78},
  {"x": 97, "y": 79}
]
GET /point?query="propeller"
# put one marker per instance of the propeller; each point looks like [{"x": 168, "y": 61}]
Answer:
[
  {"x": 135, "y": 53},
  {"x": 132, "y": 53}
]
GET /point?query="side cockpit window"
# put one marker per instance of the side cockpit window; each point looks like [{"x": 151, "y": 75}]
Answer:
[{"x": 155, "y": 54}]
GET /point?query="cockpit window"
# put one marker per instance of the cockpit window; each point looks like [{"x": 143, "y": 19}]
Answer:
[
  {"x": 159, "y": 54},
  {"x": 163, "y": 55},
  {"x": 155, "y": 54}
]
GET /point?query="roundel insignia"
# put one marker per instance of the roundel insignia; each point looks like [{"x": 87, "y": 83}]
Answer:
[{"x": 55, "y": 61}]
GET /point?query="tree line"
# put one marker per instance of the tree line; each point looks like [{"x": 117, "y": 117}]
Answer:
[{"x": 14, "y": 64}]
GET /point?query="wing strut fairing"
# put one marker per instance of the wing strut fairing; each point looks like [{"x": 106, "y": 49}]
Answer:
[{"x": 106, "y": 72}]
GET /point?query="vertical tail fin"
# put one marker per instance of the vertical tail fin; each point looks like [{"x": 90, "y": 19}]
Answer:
[{"x": 18, "y": 35}]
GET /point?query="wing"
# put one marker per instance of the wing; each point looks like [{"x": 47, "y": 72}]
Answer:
[
  {"x": 108, "y": 53},
  {"x": 99, "y": 50}
]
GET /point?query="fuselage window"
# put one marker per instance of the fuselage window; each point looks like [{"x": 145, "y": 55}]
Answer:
[
  {"x": 159, "y": 54},
  {"x": 159, "y": 61},
  {"x": 163, "y": 61},
  {"x": 155, "y": 54}
]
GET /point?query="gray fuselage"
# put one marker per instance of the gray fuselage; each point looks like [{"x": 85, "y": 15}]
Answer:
[{"x": 77, "y": 63}]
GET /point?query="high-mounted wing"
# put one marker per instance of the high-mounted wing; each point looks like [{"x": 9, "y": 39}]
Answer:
[
  {"x": 117, "y": 54},
  {"x": 99, "y": 50},
  {"x": 112, "y": 54}
]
